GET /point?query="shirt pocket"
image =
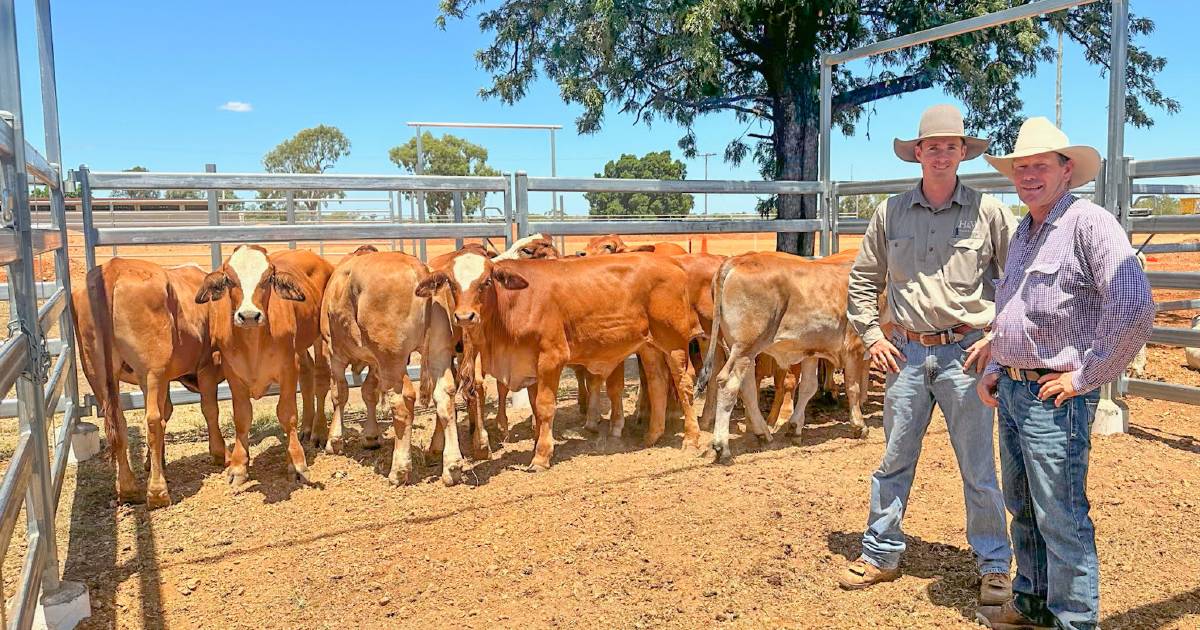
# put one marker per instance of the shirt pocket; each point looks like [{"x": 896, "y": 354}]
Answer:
[
  {"x": 962, "y": 270},
  {"x": 900, "y": 259},
  {"x": 1043, "y": 293}
]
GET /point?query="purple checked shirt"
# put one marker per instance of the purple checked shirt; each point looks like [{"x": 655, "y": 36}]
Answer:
[{"x": 1073, "y": 297}]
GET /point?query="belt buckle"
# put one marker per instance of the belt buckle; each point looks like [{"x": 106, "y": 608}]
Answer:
[{"x": 1014, "y": 373}]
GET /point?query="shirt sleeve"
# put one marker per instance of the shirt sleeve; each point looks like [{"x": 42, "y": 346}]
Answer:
[
  {"x": 868, "y": 278},
  {"x": 1003, "y": 224},
  {"x": 1126, "y": 302}
]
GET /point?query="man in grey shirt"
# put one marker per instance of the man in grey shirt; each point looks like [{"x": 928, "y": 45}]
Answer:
[{"x": 936, "y": 251}]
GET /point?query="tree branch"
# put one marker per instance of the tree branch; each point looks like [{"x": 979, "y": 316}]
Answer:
[{"x": 882, "y": 89}]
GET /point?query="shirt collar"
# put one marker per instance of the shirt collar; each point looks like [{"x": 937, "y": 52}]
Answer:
[
  {"x": 1056, "y": 212},
  {"x": 960, "y": 196}
]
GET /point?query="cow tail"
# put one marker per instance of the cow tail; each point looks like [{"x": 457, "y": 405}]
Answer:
[
  {"x": 718, "y": 289},
  {"x": 105, "y": 379}
]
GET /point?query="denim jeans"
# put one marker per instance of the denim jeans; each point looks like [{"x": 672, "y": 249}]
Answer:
[
  {"x": 936, "y": 375},
  {"x": 1044, "y": 461}
]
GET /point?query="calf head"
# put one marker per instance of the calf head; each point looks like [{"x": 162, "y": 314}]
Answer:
[
  {"x": 472, "y": 281},
  {"x": 250, "y": 279},
  {"x": 607, "y": 244},
  {"x": 533, "y": 246}
]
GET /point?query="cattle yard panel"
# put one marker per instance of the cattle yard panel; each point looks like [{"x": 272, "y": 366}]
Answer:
[{"x": 45, "y": 382}]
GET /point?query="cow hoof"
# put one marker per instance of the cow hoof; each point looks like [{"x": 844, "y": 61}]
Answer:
[
  {"x": 304, "y": 436},
  {"x": 299, "y": 475},
  {"x": 720, "y": 454},
  {"x": 452, "y": 475},
  {"x": 334, "y": 446},
  {"x": 157, "y": 498},
  {"x": 370, "y": 442},
  {"x": 130, "y": 496},
  {"x": 481, "y": 453},
  {"x": 537, "y": 468},
  {"x": 859, "y": 432},
  {"x": 764, "y": 439},
  {"x": 235, "y": 478},
  {"x": 398, "y": 477}
]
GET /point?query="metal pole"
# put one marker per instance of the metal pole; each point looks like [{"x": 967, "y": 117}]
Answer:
[
  {"x": 706, "y": 156},
  {"x": 89, "y": 228},
  {"x": 521, "y": 186},
  {"x": 458, "y": 215},
  {"x": 393, "y": 201},
  {"x": 562, "y": 240},
  {"x": 420, "y": 170},
  {"x": 39, "y": 502},
  {"x": 508, "y": 210},
  {"x": 289, "y": 211},
  {"x": 835, "y": 244},
  {"x": 823, "y": 159},
  {"x": 214, "y": 218}
]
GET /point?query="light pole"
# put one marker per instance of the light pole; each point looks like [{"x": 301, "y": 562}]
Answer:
[{"x": 706, "y": 156}]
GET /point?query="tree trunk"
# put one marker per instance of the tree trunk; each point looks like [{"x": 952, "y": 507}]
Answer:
[{"x": 796, "y": 134}]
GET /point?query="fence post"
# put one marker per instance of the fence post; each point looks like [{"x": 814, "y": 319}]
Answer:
[
  {"x": 458, "y": 216},
  {"x": 522, "y": 193},
  {"x": 392, "y": 203},
  {"x": 89, "y": 227},
  {"x": 508, "y": 210},
  {"x": 289, "y": 210},
  {"x": 835, "y": 244},
  {"x": 826, "y": 122},
  {"x": 214, "y": 218}
]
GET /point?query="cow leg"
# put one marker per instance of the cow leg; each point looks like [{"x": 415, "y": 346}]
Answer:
[
  {"x": 710, "y": 393},
  {"x": 681, "y": 386},
  {"x": 307, "y": 394},
  {"x": 642, "y": 413},
  {"x": 155, "y": 389},
  {"x": 127, "y": 486},
  {"x": 738, "y": 367},
  {"x": 805, "y": 389},
  {"x": 285, "y": 410},
  {"x": 168, "y": 409},
  {"x": 502, "y": 409},
  {"x": 341, "y": 392},
  {"x": 544, "y": 395},
  {"x": 593, "y": 407},
  {"x": 444, "y": 392},
  {"x": 206, "y": 380},
  {"x": 582, "y": 390},
  {"x": 401, "y": 404},
  {"x": 858, "y": 380},
  {"x": 780, "y": 379},
  {"x": 322, "y": 381},
  {"x": 615, "y": 386},
  {"x": 239, "y": 460},
  {"x": 755, "y": 420},
  {"x": 476, "y": 394},
  {"x": 370, "y": 396},
  {"x": 655, "y": 363}
]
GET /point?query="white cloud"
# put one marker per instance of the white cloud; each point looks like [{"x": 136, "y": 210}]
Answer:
[{"x": 236, "y": 106}]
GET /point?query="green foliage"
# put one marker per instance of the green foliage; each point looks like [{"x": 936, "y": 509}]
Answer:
[
  {"x": 759, "y": 60},
  {"x": 312, "y": 150},
  {"x": 650, "y": 166},
  {"x": 1159, "y": 204},
  {"x": 447, "y": 155},
  {"x": 861, "y": 206},
  {"x": 137, "y": 194}
]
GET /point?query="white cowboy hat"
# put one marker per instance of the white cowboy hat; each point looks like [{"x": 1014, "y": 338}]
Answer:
[
  {"x": 1039, "y": 135},
  {"x": 940, "y": 121}
]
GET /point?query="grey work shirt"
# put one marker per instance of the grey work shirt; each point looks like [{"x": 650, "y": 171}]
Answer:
[{"x": 937, "y": 264}]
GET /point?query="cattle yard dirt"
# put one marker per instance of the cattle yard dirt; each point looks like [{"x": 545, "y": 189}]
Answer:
[{"x": 613, "y": 535}]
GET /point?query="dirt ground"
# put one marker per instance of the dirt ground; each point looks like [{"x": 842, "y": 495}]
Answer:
[{"x": 613, "y": 535}]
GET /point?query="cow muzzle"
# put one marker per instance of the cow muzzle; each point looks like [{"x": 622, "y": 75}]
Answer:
[
  {"x": 248, "y": 318},
  {"x": 469, "y": 318}
]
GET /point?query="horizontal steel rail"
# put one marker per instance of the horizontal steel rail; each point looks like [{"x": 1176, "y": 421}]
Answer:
[
  {"x": 1180, "y": 337},
  {"x": 43, "y": 241},
  {"x": 978, "y": 181},
  {"x": 1033, "y": 9},
  {"x": 594, "y": 228},
  {"x": 13, "y": 357},
  {"x": 42, "y": 290},
  {"x": 54, "y": 385},
  {"x": 12, "y": 490},
  {"x": 35, "y": 162},
  {"x": 1177, "y": 305},
  {"x": 1172, "y": 392},
  {"x": 1165, "y": 189},
  {"x": 181, "y": 396},
  {"x": 852, "y": 226},
  {"x": 51, "y": 309},
  {"x": 716, "y": 186},
  {"x": 1174, "y": 279},
  {"x": 1171, "y": 248},
  {"x": 290, "y": 181},
  {"x": 1169, "y": 167},
  {"x": 303, "y": 232},
  {"x": 1166, "y": 224}
]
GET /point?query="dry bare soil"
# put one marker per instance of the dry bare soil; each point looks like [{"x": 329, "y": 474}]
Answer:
[{"x": 612, "y": 536}]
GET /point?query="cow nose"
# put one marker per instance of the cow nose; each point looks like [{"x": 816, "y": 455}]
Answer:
[
  {"x": 468, "y": 318},
  {"x": 248, "y": 318},
  {"x": 581, "y": 253}
]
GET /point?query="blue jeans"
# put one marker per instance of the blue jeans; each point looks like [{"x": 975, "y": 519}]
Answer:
[
  {"x": 1044, "y": 459},
  {"x": 935, "y": 375}
]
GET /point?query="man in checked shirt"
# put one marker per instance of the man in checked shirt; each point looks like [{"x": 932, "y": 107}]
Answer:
[
  {"x": 1072, "y": 309},
  {"x": 936, "y": 250}
]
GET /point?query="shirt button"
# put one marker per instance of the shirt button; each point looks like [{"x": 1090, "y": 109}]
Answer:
[{"x": 930, "y": 249}]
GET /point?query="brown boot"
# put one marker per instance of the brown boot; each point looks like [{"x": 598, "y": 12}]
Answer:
[
  {"x": 860, "y": 574},
  {"x": 1007, "y": 617},
  {"x": 994, "y": 589}
]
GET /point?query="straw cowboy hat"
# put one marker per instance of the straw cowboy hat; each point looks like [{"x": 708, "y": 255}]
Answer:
[
  {"x": 940, "y": 121},
  {"x": 1039, "y": 135}
]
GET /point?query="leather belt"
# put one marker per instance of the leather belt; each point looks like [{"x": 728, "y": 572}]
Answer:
[
  {"x": 940, "y": 338},
  {"x": 1018, "y": 374}
]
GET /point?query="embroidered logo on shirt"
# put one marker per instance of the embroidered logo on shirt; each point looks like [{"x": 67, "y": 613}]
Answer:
[{"x": 965, "y": 227}]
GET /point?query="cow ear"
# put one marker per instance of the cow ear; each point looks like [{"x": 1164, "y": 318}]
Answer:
[
  {"x": 432, "y": 283},
  {"x": 286, "y": 286},
  {"x": 509, "y": 280},
  {"x": 213, "y": 287}
]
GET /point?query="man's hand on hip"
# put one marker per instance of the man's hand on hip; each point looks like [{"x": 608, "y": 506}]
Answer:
[
  {"x": 1058, "y": 385},
  {"x": 986, "y": 388},
  {"x": 884, "y": 356},
  {"x": 979, "y": 353}
]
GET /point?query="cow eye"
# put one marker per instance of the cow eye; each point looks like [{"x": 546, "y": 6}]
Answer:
[{"x": 527, "y": 251}]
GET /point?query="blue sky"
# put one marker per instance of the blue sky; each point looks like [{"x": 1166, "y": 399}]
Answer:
[{"x": 144, "y": 82}]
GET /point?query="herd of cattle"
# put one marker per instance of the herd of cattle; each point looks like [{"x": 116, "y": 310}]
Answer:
[{"x": 291, "y": 317}]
